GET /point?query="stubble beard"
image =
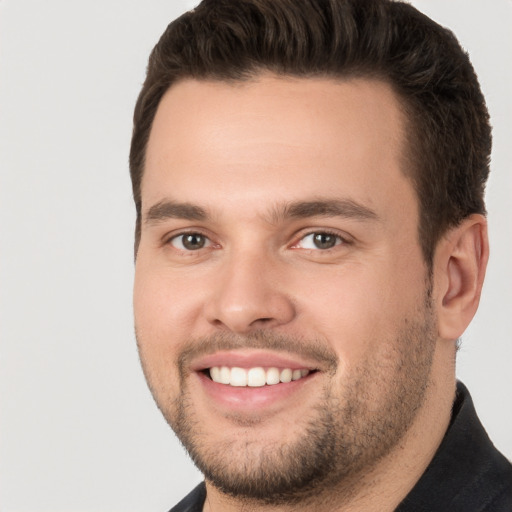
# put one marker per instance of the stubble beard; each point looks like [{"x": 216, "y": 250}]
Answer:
[{"x": 345, "y": 435}]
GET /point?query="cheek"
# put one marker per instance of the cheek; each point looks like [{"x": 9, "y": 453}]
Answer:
[
  {"x": 164, "y": 304},
  {"x": 360, "y": 308},
  {"x": 156, "y": 330}
]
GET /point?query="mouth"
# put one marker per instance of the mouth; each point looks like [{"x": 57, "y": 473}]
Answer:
[
  {"x": 254, "y": 382},
  {"x": 255, "y": 377}
]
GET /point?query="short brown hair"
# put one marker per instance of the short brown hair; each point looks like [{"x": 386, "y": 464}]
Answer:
[{"x": 449, "y": 136}]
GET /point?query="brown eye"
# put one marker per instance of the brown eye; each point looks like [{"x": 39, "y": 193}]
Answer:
[
  {"x": 324, "y": 240},
  {"x": 190, "y": 241},
  {"x": 320, "y": 240}
]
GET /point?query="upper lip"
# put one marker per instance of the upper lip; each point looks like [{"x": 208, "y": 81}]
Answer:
[{"x": 251, "y": 359}]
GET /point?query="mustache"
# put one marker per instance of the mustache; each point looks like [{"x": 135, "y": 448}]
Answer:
[{"x": 315, "y": 350}]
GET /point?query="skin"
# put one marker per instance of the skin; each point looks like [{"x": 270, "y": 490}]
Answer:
[{"x": 240, "y": 154}]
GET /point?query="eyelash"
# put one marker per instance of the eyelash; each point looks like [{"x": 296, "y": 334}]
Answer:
[
  {"x": 340, "y": 240},
  {"x": 184, "y": 234}
]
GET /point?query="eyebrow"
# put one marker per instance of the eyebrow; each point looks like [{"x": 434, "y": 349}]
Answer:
[
  {"x": 167, "y": 209},
  {"x": 347, "y": 208}
]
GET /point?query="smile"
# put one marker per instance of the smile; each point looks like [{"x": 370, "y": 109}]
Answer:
[{"x": 255, "y": 377}]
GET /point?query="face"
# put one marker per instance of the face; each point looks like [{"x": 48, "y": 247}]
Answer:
[{"x": 281, "y": 302}]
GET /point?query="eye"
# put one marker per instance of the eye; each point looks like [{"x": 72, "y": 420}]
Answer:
[
  {"x": 320, "y": 240},
  {"x": 190, "y": 241}
]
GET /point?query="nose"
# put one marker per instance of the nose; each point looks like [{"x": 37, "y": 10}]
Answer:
[{"x": 248, "y": 294}]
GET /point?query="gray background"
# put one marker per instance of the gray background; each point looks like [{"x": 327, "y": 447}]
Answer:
[{"x": 79, "y": 430}]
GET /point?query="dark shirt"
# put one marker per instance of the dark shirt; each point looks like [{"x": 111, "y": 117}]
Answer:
[{"x": 467, "y": 474}]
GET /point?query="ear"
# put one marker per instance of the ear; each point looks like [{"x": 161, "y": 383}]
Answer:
[{"x": 459, "y": 270}]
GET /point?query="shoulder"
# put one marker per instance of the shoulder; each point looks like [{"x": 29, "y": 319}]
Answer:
[{"x": 501, "y": 501}]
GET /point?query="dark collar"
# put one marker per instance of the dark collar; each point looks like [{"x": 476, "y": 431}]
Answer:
[{"x": 467, "y": 473}]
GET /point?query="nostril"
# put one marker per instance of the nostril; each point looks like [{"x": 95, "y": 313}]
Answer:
[{"x": 258, "y": 321}]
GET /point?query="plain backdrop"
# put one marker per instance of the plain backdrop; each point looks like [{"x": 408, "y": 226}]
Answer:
[{"x": 79, "y": 430}]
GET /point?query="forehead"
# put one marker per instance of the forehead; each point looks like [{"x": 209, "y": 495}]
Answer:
[{"x": 275, "y": 135}]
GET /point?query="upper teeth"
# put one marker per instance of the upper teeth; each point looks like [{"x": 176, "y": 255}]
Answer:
[{"x": 254, "y": 377}]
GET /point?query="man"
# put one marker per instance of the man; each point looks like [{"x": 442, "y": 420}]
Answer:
[{"x": 311, "y": 243}]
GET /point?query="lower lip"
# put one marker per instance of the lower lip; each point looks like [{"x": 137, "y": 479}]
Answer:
[{"x": 251, "y": 398}]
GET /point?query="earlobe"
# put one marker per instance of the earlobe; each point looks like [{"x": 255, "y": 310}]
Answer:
[{"x": 461, "y": 260}]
